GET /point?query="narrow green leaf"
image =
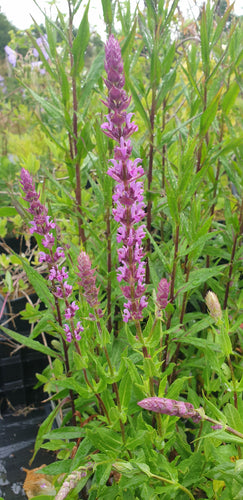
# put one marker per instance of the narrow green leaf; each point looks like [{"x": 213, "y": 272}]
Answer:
[
  {"x": 55, "y": 112},
  {"x": 107, "y": 12},
  {"x": 139, "y": 106},
  {"x": 171, "y": 12},
  {"x": 94, "y": 73},
  {"x": 28, "y": 342},
  {"x": 8, "y": 211},
  {"x": 221, "y": 24},
  {"x": 209, "y": 114},
  {"x": 64, "y": 85},
  {"x": 38, "y": 282},
  {"x": 65, "y": 433},
  {"x": 214, "y": 411},
  {"x": 233, "y": 417},
  {"x": 43, "y": 429},
  {"x": 106, "y": 440},
  {"x": 188, "y": 73},
  {"x": 230, "y": 97},
  {"x": 201, "y": 276},
  {"x": 205, "y": 51},
  {"x": 80, "y": 43},
  {"x": 61, "y": 467},
  {"x": 147, "y": 38}
]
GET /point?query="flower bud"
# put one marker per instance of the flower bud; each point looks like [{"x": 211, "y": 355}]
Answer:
[
  {"x": 170, "y": 407},
  {"x": 213, "y": 305}
]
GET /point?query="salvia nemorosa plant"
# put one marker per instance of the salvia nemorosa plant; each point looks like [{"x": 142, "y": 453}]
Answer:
[{"x": 140, "y": 395}]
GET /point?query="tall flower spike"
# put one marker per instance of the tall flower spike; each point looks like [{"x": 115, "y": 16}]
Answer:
[
  {"x": 43, "y": 225},
  {"x": 163, "y": 293},
  {"x": 90, "y": 290},
  {"x": 128, "y": 194},
  {"x": 170, "y": 407}
]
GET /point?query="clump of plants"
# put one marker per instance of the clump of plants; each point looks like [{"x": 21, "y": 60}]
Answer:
[{"x": 138, "y": 228}]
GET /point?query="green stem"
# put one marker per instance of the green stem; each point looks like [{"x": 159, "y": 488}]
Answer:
[{"x": 177, "y": 485}]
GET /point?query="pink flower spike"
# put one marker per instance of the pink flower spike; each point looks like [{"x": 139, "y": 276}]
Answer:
[
  {"x": 163, "y": 293},
  {"x": 170, "y": 407}
]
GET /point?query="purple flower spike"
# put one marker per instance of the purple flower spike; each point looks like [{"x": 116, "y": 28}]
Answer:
[
  {"x": 163, "y": 293},
  {"x": 90, "y": 290},
  {"x": 170, "y": 407},
  {"x": 128, "y": 193},
  {"x": 11, "y": 55},
  {"x": 58, "y": 276}
]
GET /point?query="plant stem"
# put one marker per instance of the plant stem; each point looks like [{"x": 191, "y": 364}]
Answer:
[
  {"x": 172, "y": 296},
  {"x": 108, "y": 235},
  {"x": 233, "y": 256},
  {"x": 177, "y": 485},
  {"x": 73, "y": 140}
]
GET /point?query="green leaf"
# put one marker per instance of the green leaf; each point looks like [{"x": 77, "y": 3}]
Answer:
[
  {"x": 92, "y": 77},
  {"x": 65, "y": 433},
  {"x": 125, "y": 391},
  {"x": 214, "y": 411},
  {"x": 8, "y": 211},
  {"x": 57, "y": 468},
  {"x": 28, "y": 342},
  {"x": 205, "y": 50},
  {"x": 64, "y": 85},
  {"x": 233, "y": 417},
  {"x": 139, "y": 106},
  {"x": 106, "y": 440},
  {"x": 80, "y": 43},
  {"x": 176, "y": 387},
  {"x": 38, "y": 282},
  {"x": 147, "y": 38},
  {"x": 201, "y": 276},
  {"x": 230, "y": 97},
  {"x": 107, "y": 12},
  {"x": 209, "y": 114},
  {"x": 44, "y": 428},
  {"x": 221, "y": 22},
  {"x": 55, "y": 112},
  {"x": 83, "y": 450}
]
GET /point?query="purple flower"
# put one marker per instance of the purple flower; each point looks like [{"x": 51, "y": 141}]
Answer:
[
  {"x": 58, "y": 276},
  {"x": 38, "y": 66},
  {"x": 163, "y": 293},
  {"x": 128, "y": 194},
  {"x": 71, "y": 310},
  {"x": 170, "y": 407},
  {"x": 11, "y": 55},
  {"x": 44, "y": 46},
  {"x": 90, "y": 290}
]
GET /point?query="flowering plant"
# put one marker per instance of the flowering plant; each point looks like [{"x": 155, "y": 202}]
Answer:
[{"x": 128, "y": 233}]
